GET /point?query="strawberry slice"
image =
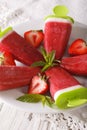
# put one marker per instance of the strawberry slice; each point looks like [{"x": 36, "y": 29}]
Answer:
[
  {"x": 6, "y": 59},
  {"x": 38, "y": 85},
  {"x": 78, "y": 47},
  {"x": 34, "y": 37}
]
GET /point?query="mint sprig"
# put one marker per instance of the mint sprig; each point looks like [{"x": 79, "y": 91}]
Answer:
[
  {"x": 49, "y": 60},
  {"x": 35, "y": 98},
  {"x": 32, "y": 98}
]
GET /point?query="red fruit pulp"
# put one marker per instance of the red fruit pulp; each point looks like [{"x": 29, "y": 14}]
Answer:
[{"x": 56, "y": 37}]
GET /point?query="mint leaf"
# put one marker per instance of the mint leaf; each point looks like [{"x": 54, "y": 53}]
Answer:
[
  {"x": 32, "y": 98},
  {"x": 45, "y": 67},
  {"x": 49, "y": 60},
  {"x": 50, "y": 102},
  {"x": 51, "y": 56},
  {"x": 38, "y": 63},
  {"x": 44, "y": 101},
  {"x": 44, "y": 53},
  {"x": 35, "y": 98}
]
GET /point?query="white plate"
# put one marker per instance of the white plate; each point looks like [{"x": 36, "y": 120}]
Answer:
[{"x": 9, "y": 96}]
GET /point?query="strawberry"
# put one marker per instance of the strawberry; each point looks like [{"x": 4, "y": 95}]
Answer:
[
  {"x": 34, "y": 37},
  {"x": 38, "y": 85},
  {"x": 78, "y": 47},
  {"x": 6, "y": 59}
]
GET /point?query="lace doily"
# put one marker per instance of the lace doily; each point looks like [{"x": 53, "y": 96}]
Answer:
[
  {"x": 10, "y": 17},
  {"x": 76, "y": 120}
]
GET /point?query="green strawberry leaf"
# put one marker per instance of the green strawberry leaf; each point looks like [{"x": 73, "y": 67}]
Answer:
[{"x": 60, "y": 10}]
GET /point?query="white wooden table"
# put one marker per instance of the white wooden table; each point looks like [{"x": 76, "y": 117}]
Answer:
[{"x": 14, "y": 12}]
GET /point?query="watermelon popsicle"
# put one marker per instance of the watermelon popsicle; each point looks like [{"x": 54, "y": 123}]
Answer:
[
  {"x": 76, "y": 65},
  {"x": 57, "y": 30},
  {"x": 65, "y": 89},
  {"x": 12, "y": 42},
  {"x": 16, "y": 76}
]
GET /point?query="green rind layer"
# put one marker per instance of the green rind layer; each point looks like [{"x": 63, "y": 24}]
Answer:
[
  {"x": 63, "y": 99},
  {"x": 4, "y": 32},
  {"x": 60, "y": 11},
  {"x": 63, "y": 17}
]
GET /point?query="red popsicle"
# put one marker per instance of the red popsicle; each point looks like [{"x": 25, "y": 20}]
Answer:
[
  {"x": 76, "y": 65},
  {"x": 19, "y": 48},
  {"x": 57, "y": 30},
  {"x": 16, "y": 76},
  {"x": 57, "y": 38},
  {"x": 64, "y": 88}
]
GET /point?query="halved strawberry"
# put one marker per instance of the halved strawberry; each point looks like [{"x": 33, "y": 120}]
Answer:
[
  {"x": 34, "y": 37},
  {"x": 38, "y": 85},
  {"x": 78, "y": 47},
  {"x": 6, "y": 59}
]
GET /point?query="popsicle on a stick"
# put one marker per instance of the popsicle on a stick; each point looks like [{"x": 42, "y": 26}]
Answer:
[
  {"x": 65, "y": 89},
  {"x": 57, "y": 30},
  {"x": 76, "y": 65},
  {"x": 16, "y": 76},
  {"x": 11, "y": 41}
]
